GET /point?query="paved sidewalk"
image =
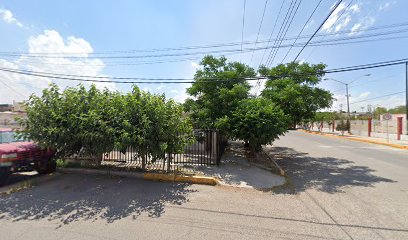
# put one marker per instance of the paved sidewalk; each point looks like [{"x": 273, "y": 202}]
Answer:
[
  {"x": 376, "y": 139},
  {"x": 236, "y": 171}
]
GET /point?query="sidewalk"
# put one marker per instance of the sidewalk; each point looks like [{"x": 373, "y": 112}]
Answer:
[
  {"x": 235, "y": 171},
  {"x": 376, "y": 140}
]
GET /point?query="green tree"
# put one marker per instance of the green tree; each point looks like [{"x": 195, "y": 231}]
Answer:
[
  {"x": 292, "y": 87},
  {"x": 218, "y": 88},
  {"x": 91, "y": 122},
  {"x": 343, "y": 126},
  {"x": 74, "y": 121},
  {"x": 257, "y": 121},
  {"x": 378, "y": 111},
  {"x": 398, "y": 110}
]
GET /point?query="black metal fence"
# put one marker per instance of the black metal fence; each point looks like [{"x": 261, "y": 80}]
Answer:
[{"x": 207, "y": 149}]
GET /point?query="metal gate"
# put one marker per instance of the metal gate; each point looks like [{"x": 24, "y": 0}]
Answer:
[{"x": 207, "y": 149}]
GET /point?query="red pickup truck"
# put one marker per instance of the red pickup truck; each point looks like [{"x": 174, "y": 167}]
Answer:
[{"x": 21, "y": 156}]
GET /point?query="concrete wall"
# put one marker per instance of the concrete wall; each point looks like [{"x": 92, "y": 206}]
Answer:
[
  {"x": 7, "y": 119},
  {"x": 380, "y": 128}
]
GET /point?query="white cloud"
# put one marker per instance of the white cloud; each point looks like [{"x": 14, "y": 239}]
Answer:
[
  {"x": 341, "y": 17},
  {"x": 356, "y": 27},
  {"x": 310, "y": 24},
  {"x": 327, "y": 26},
  {"x": 386, "y": 6},
  {"x": 50, "y": 41},
  {"x": 363, "y": 95},
  {"x": 195, "y": 65},
  {"x": 343, "y": 23},
  {"x": 161, "y": 86},
  {"x": 181, "y": 97},
  {"x": 355, "y": 8},
  {"x": 7, "y": 16},
  {"x": 362, "y": 24},
  {"x": 179, "y": 92}
]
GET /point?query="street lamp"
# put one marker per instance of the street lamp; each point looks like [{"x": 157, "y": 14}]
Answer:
[{"x": 347, "y": 95}]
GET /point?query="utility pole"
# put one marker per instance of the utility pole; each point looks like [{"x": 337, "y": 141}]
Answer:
[
  {"x": 347, "y": 95},
  {"x": 406, "y": 95},
  {"x": 348, "y": 109}
]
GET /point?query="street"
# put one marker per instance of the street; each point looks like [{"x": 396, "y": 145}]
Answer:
[{"x": 336, "y": 189}]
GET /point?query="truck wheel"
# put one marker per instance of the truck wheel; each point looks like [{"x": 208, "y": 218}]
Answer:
[
  {"x": 4, "y": 176},
  {"x": 44, "y": 167}
]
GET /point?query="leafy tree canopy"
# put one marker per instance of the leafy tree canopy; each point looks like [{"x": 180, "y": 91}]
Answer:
[
  {"x": 218, "y": 88},
  {"x": 292, "y": 87},
  {"x": 91, "y": 122},
  {"x": 257, "y": 121}
]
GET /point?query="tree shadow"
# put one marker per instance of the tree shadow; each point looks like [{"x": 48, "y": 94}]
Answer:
[
  {"x": 70, "y": 198},
  {"x": 325, "y": 174}
]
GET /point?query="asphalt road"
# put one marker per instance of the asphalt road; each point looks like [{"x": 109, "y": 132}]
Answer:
[{"x": 338, "y": 190}]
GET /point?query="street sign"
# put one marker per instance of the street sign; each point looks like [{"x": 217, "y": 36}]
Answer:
[{"x": 387, "y": 116}]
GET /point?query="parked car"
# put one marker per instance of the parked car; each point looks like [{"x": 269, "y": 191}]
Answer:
[{"x": 17, "y": 155}]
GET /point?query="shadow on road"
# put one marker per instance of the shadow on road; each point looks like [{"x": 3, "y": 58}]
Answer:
[
  {"x": 71, "y": 198},
  {"x": 326, "y": 174},
  {"x": 21, "y": 177}
]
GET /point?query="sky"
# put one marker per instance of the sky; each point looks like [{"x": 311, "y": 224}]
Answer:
[{"x": 92, "y": 30}]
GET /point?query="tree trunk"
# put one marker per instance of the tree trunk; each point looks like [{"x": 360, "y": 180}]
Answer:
[{"x": 143, "y": 162}]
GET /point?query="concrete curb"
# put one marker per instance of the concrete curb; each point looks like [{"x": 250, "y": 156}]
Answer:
[
  {"x": 19, "y": 186},
  {"x": 279, "y": 168},
  {"x": 356, "y": 139},
  {"x": 146, "y": 176}
]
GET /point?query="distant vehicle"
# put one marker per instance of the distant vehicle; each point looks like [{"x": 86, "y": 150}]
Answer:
[{"x": 17, "y": 155}]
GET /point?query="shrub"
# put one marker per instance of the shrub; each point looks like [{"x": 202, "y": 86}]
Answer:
[{"x": 90, "y": 122}]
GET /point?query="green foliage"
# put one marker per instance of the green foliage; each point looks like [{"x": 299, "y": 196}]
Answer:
[
  {"x": 342, "y": 126},
  {"x": 292, "y": 87},
  {"x": 257, "y": 121},
  {"x": 217, "y": 90},
  {"x": 398, "y": 110},
  {"x": 327, "y": 117},
  {"x": 91, "y": 122}
]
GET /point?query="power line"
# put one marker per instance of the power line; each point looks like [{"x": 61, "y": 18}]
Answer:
[
  {"x": 286, "y": 31},
  {"x": 333, "y": 42},
  {"x": 172, "y": 80},
  {"x": 280, "y": 37},
  {"x": 12, "y": 89},
  {"x": 259, "y": 30},
  {"x": 334, "y": 23},
  {"x": 318, "y": 29},
  {"x": 188, "y": 53},
  {"x": 382, "y": 96},
  {"x": 61, "y": 54},
  {"x": 337, "y": 41},
  {"x": 304, "y": 26},
  {"x": 273, "y": 30},
  {"x": 243, "y": 26},
  {"x": 284, "y": 23},
  {"x": 258, "y": 84}
]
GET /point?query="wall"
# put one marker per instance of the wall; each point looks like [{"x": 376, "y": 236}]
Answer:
[
  {"x": 7, "y": 119},
  {"x": 379, "y": 128}
]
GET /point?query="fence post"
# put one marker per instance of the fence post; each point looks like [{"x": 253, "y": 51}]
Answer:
[
  {"x": 399, "y": 128},
  {"x": 168, "y": 162},
  {"x": 369, "y": 126},
  {"x": 218, "y": 147},
  {"x": 144, "y": 161}
]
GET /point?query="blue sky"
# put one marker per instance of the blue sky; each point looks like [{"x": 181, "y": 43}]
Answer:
[{"x": 99, "y": 26}]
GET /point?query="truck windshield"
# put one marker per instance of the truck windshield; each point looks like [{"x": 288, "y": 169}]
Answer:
[{"x": 8, "y": 137}]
